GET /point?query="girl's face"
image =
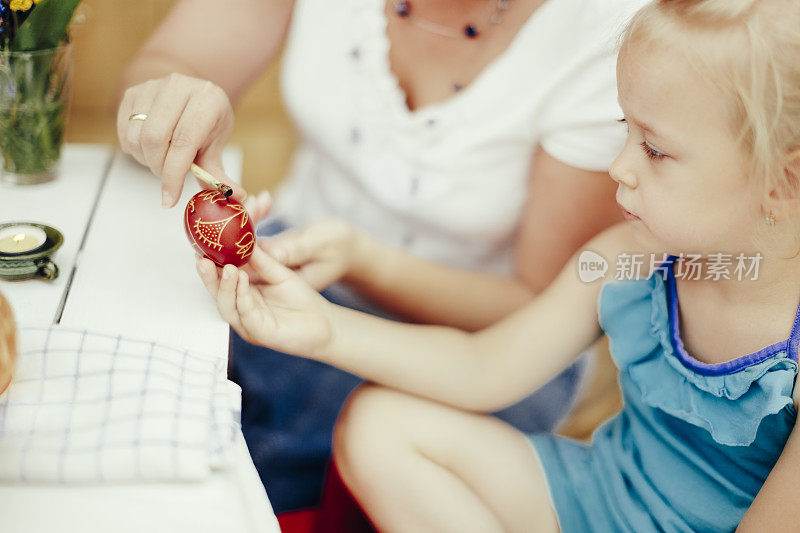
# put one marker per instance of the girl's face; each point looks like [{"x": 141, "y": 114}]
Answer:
[{"x": 682, "y": 177}]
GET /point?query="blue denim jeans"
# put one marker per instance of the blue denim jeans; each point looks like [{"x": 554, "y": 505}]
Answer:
[{"x": 290, "y": 405}]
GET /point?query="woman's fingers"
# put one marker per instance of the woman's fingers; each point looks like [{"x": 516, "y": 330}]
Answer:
[
  {"x": 142, "y": 101},
  {"x": 263, "y": 205},
  {"x": 210, "y": 160},
  {"x": 123, "y": 113},
  {"x": 258, "y": 206},
  {"x": 157, "y": 130},
  {"x": 204, "y": 109},
  {"x": 187, "y": 119}
]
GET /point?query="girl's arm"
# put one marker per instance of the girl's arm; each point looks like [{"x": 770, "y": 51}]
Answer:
[
  {"x": 773, "y": 509},
  {"x": 566, "y": 207},
  {"x": 481, "y": 371}
]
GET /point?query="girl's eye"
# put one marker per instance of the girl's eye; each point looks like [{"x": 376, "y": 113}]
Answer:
[{"x": 651, "y": 153}]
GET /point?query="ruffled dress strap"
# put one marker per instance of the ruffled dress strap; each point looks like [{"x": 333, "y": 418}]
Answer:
[{"x": 728, "y": 399}]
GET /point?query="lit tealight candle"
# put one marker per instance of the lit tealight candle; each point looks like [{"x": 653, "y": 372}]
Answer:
[{"x": 21, "y": 238}]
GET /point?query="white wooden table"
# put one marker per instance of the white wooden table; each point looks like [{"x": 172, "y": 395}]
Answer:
[{"x": 126, "y": 268}]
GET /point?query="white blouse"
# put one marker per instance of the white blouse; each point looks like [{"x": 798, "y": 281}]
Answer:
[{"x": 447, "y": 181}]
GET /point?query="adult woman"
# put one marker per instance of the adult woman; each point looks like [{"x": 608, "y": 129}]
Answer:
[{"x": 474, "y": 134}]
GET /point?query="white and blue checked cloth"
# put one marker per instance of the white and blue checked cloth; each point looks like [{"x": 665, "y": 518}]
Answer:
[{"x": 86, "y": 407}]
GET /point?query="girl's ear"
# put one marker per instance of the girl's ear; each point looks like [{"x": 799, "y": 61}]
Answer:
[
  {"x": 8, "y": 343},
  {"x": 784, "y": 200},
  {"x": 791, "y": 169}
]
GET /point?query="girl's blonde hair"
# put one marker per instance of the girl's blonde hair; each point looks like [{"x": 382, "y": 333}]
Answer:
[
  {"x": 8, "y": 340},
  {"x": 749, "y": 49}
]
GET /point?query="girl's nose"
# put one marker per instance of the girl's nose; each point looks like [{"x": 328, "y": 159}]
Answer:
[{"x": 621, "y": 172}]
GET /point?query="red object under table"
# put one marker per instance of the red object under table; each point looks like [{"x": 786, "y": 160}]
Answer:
[{"x": 338, "y": 513}]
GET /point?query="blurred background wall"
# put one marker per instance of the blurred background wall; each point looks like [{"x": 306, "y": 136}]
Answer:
[{"x": 112, "y": 32}]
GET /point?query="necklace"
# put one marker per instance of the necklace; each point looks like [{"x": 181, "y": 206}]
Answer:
[{"x": 402, "y": 8}]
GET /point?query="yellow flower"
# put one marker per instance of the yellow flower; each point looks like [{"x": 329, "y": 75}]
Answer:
[{"x": 20, "y": 5}]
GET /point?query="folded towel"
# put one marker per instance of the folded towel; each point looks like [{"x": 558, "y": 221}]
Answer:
[{"x": 86, "y": 407}]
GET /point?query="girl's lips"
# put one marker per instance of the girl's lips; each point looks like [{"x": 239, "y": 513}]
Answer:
[{"x": 628, "y": 215}]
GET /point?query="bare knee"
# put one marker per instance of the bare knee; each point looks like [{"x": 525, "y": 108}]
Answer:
[{"x": 366, "y": 436}]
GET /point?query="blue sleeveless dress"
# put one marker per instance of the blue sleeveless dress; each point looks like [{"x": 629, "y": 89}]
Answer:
[{"x": 693, "y": 443}]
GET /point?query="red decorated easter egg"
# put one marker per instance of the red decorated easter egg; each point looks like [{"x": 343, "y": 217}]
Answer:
[{"x": 219, "y": 228}]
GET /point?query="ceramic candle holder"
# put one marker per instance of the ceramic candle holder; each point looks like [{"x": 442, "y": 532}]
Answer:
[{"x": 36, "y": 263}]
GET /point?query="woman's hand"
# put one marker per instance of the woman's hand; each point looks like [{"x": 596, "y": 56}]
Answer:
[
  {"x": 321, "y": 253},
  {"x": 280, "y": 310},
  {"x": 258, "y": 206},
  {"x": 188, "y": 120}
]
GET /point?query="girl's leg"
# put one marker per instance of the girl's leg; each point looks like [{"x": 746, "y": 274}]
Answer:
[{"x": 416, "y": 465}]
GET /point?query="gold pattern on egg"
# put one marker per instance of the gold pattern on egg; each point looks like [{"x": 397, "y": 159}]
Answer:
[
  {"x": 210, "y": 233},
  {"x": 213, "y": 196},
  {"x": 245, "y": 245}
]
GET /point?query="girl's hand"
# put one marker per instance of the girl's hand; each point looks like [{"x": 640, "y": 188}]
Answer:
[
  {"x": 257, "y": 207},
  {"x": 321, "y": 253},
  {"x": 279, "y": 311},
  {"x": 187, "y": 120}
]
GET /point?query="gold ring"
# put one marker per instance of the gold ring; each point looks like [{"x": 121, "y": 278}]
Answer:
[{"x": 138, "y": 116}]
